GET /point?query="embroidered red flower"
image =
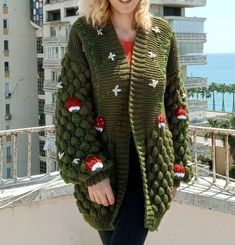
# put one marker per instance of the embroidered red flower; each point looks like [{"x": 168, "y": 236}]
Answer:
[
  {"x": 179, "y": 170},
  {"x": 73, "y": 104},
  {"x": 181, "y": 113},
  {"x": 93, "y": 163},
  {"x": 161, "y": 121},
  {"x": 99, "y": 123}
]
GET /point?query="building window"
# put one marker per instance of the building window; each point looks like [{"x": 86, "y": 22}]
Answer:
[
  {"x": 67, "y": 31},
  {"x": 5, "y": 3},
  {"x": 172, "y": 11},
  {"x": 43, "y": 167},
  {"x": 9, "y": 174},
  {"x": 71, "y": 11},
  {"x": 37, "y": 11},
  {"x": 39, "y": 45},
  {"x": 6, "y": 45},
  {"x": 54, "y": 76},
  {"x": 62, "y": 51},
  {"x": 6, "y": 66},
  {"x": 52, "y": 31},
  {"x": 53, "y": 15},
  {"x": 7, "y": 90},
  {"x": 54, "y": 98},
  {"x": 41, "y": 145},
  {"x": 7, "y": 108},
  {"x": 5, "y": 24}
]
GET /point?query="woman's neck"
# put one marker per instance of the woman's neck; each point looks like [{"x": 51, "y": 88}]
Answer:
[{"x": 124, "y": 26}]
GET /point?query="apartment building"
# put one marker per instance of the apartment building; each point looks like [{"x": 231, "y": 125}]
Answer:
[
  {"x": 191, "y": 38},
  {"x": 18, "y": 80},
  {"x": 58, "y": 16}
]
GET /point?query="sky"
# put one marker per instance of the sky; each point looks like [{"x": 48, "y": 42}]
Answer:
[{"x": 219, "y": 25}]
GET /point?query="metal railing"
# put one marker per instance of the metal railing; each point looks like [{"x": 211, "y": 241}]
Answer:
[
  {"x": 192, "y": 3},
  {"x": 191, "y": 59},
  {"x": 205, "y": 138}
]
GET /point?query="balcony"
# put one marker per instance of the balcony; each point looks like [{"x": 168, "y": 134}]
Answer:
[
  {"x": 49, "y": 109},
  {"x": 183, "y": 3},
  {"x": 197, "y": 105},
  {"x": 45, "y": 201},
  {"x": 191, "y": 36},
  {"x": 52, "y": 64},
  {"x": 57, "y": 40},
  {"x": 195, "y": 82},
  {"x": 50, "y": 86},
  {"x": 193, "y": 59},
  {"x": 54, "y": 1}
]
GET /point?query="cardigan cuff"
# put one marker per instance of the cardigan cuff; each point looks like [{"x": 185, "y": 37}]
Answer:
[
  {"x": 176, "y": 183},
  {"x": 98, "y": 177}
]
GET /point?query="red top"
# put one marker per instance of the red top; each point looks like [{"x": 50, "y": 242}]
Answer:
[{"x": 127, "y": 47}]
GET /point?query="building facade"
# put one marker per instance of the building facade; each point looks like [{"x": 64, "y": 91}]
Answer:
[
  {"x": 58, "y": 16},
  {"x": 18, "y": 107},
  {"x": 191, "y": 38}
]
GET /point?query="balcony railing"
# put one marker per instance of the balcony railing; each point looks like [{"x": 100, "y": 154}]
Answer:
[
  {"x": 195, "y": 82},
  {"x": 50, "y": 85},
  {"x": 49, "y": 40},
  {"x": 186, "y": 3},
  {"x": 191, "y": 36},
  {"x": 197, "y": 105},
  {"x": 193, "y": 59},
  {"x": 54, "y": 1},
  {"x": 204, "y": 140},
  {"x": 52, "y": 63},
  {"x": 49, "y": 109}
]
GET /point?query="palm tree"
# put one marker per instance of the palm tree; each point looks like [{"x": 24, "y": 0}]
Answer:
[
  {"x": 223, "y": 88},
  {"x": 232, "y": 91},
  {"x": 213, "y": 87}
]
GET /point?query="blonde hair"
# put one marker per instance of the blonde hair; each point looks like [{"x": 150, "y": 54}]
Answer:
[{"x": 98, "y": 13}]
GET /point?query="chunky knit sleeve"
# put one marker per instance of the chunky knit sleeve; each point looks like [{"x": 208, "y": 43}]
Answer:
[
  {"x": 78, "y": 141},
  {"x": 177, "y": 116}
]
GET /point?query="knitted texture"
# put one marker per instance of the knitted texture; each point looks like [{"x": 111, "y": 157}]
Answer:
[{"x": 101, "y": 99}]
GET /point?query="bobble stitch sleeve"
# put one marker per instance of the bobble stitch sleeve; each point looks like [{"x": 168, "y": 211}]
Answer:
[
  {"x": 177, "y": 116},
  {"x": 79, "y": 146}
]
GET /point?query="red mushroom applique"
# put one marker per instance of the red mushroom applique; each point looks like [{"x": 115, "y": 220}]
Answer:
[
  {"x": 181, "y": 113},
  {"x": 161, "y": 121},
  {"x": 93, "y": 163},
  {"x": 179, "y": 170},
  {"x": 99, "y": 123},
  {"x": 73, "y": 104}
]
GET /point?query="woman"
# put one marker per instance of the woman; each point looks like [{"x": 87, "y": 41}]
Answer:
[{"x": 120, "y": 106}]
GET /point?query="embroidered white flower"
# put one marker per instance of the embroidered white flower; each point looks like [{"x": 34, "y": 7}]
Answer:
[
  {"x": 76, "y": 160},
  {"x": 60, "y": 155},
  {"x": 153, "y": 83},
  {"x": 111, "y": 56},
  {"x": 151, "y": 55},
  {"x": 156, "y": 29},
  {"x": 99, "y": 32},
  {"x": 59, "y": 85},
  {"x": 116, "y": 90}
]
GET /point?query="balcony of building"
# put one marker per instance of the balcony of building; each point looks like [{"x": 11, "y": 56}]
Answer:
[
  {"x": 195, "y": 82},
  {"x": 187, "y": 36},
  {"x": 50, "y": 86},
  {"x": 53, "y": 63},
  {"x": 49, "y": 109},
  {"x": 180, "y": 3},
  {"x": 193, "y": 59},
  {"x": 55, "y": 40},
  {"x": 43, "y": 204}
]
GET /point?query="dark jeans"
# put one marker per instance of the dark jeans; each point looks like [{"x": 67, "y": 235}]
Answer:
[{"x": 129, "y": 228}]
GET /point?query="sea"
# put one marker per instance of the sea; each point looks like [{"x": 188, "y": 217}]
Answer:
[{"x": 220, "y": 68}]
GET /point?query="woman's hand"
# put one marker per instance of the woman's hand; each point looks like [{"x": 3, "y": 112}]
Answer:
[
  {"x": 173, "y": 193},
  {"x": 102, "y": 193}
]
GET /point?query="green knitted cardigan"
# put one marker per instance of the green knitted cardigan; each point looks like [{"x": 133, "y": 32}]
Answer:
[{"x": 101, "y": 99}]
